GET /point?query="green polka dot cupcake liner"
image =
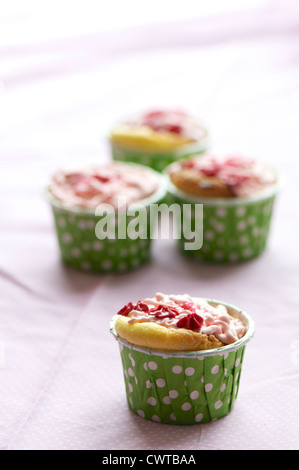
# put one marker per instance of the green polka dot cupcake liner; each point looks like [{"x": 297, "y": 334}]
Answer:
[
  {"x": 154, "y": 159},
  {"x": 183, "y": 388},
  {"x": 232, "y": 230},
  {"x": 81, "y": 247}
]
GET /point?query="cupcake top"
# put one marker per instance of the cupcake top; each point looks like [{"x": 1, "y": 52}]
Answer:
[
  {"x": 178, "y": 322},
  {"x": 227, "y": 176},
  {"x": 117, "y": 184},
  {"x": 158, "y": 130}
]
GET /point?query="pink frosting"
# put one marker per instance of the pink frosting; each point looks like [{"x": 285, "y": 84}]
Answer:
[
  {"x": 174, "y": 121},
  {"x": 214, "y": 320},
  {"x": 113, "y": 184},
  {"x": 244, "y": 176}
]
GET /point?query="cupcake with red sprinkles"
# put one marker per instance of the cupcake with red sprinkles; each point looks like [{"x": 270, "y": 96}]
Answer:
[
  {"x": 91, "y": 210},
  {"x": 158, "y": 137},
  {"x": 237, "y": 194},
  {"x": 181, "y": 356}
]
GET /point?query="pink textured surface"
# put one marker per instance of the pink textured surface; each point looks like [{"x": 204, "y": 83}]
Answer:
[{"x": 61, "y": 380}]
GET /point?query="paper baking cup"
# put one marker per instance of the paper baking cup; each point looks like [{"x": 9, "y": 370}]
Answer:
[
  {"x": 81, "y": 249},
  {"x": 157, "y": 160},
  {"x": 233, "y": 229},
  {"x": 184, "y": 388}
]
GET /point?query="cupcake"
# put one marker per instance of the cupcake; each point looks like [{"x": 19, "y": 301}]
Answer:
[
  {"x": 94, "y": 219},
  {"x": 181, "y": 356},
  {"x": 157, "y": 138},
  {"x": 237, "y": 195}
]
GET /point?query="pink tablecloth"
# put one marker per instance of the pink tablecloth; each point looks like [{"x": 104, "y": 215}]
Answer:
[{"x": 61, "y": 383}]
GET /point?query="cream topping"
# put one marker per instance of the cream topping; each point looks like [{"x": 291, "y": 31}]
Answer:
[
  {"x": 214, "y": 320},
  {"x": 116, "y": 184}
]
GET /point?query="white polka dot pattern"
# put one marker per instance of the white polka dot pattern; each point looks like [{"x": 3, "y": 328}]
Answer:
[
  {"x": 179, "y": 390},
  {"x": 81, "y": 249},
  {"x": 231, "y": 234}
]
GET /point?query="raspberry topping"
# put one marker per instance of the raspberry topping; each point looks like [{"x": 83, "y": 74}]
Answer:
[
  {"x": 233, "y": 171},
  {"x": 126, "y": 309},
  {"x": 192, "y": 321},
  {"x": 174, "y": 128},
  {"x": 101, "y": 178},
  {"x": 165, "y": 311},
  {"x": 187, "y": 313},
  {"x": 169, "y": 121},
  {"x": 212, "y": 169},
  {"x": 140, "y": 307},
  {"x": 188, "y": 164}
]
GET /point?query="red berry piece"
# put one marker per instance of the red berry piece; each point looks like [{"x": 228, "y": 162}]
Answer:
[
  {"x": 140, "y": 306},
  {"x": 192, "y": 321},
  {"x": 126, "y": 309},
  {"x": 174, "y": 128},
  {"x": 164, "y": 311},
  {"x": 212, "y": 168},
  {"x": 101, "y": 178},
  {"x": 188, "y": 164}
]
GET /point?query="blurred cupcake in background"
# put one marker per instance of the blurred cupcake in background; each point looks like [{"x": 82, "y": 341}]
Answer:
[
  {"x": 90, "y": 208},
  {"x": 237, "y": 194},
  {"x": 156, "y": 138}
]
